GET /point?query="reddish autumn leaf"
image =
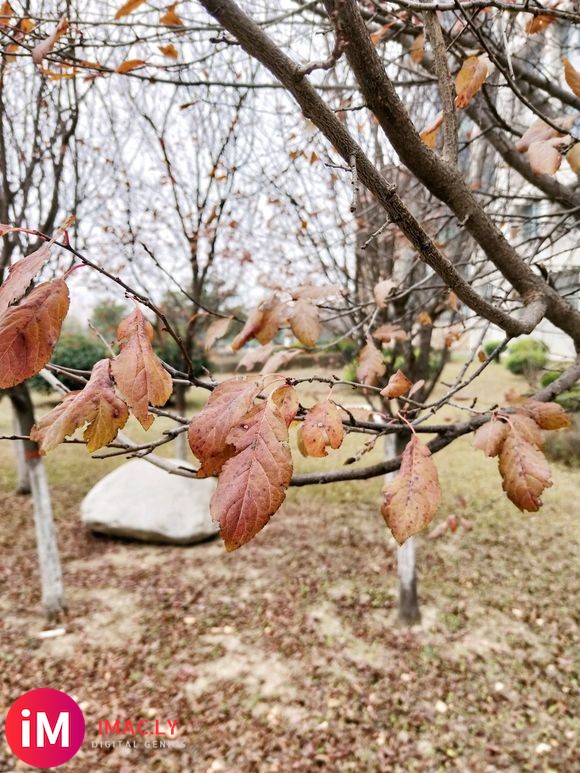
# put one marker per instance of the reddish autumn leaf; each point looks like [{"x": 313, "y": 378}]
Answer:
[
  {"x": 424, "y": 319},
  {"x": 371, "y": 365},
  {"x": 572, "y": 76},
  {"x": 411, "y": 498},
  {"x": 279, "y": 360},
  {"x": 471, "y": 78},
  {"x": 539, "y": 23},
  {"x": 171, "y": 53},
  {"x": 217, "y": 329},
  {"x": 170, "y": 18},
  {"x": 524, "y": 470},
  {"x": 417, "y": 50},
  {"x": 30, "y": 330},
  {"x": 129, "y": 65},
  {"x": 262, "y": 324},
  {"x": 321, "y": 427},
  {"x": 381, "y": 292},
  {"x": 387, "y": 332},
  {"x": 96, "y": 404},
  {"x": 138, "y": 372},
  {"x": 252, "y": 484},
  {"x": 397, "y": 386},
  {"x": 305, "y": 322},
  {"x": 490, "y": 436},
  {"x": 45, "y": 46},
  {"x": 255, "y": 357},
  {"x": 547, "y": 415},
  {"x": 227, "y": 404},
  {"x": 285, "y": 398},
  {"x": 528, "y": 428},
  {"x": 127, "y": 8}
]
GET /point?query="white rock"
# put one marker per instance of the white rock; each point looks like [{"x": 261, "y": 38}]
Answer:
[{"x": 141, "y": 501}]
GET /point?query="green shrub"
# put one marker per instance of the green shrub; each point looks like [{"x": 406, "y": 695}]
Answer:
[
  {"x": 489, "y": 348},
  {"x": 549, "y": 377},
  {"x": 73, "y": 350},
  {"x": 564, "y": 447},
  {"x": 527, "y": 356}
]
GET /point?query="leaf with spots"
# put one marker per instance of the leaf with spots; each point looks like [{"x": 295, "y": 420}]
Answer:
[
  {"x": 138, "y": 372},
  {"x": 252, "y": 484},
  {"x": 524, "y": 470},
  {"x": 285, "y": 399},
  {"x": 30, "y": 330},
  {"x": 411, "y": 498},
  {"x": 322, "y": 427},
  {"x": 207, "y": 434},
  {"x": 97, "y": 405}
]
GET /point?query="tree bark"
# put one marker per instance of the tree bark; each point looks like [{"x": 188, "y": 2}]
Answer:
[
  {"x": 409, "y": 612},
  {"x": 53, "y": 602},
  {"x": 22, "y": 474}
]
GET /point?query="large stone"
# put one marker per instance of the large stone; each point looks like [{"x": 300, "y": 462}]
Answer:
[{"x": 141, "y": 501}]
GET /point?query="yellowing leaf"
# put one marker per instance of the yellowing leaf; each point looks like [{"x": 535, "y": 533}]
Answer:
[
  {"x": 371, "y": 364},
  {"x": 217, "y": 329},
  {"x": 381, "y": 292},
  {"x": 129, "y": 65},
  {"x": 170, "y": 18},
  {"x": 411, "y": 498},
  {"x": 524, "y": 470},
  {"x": 29, "y": 332},
  {"x": 429, "y": 135},
  {"x": 424, "y": 319},
  {"x": 227, "y": 404},
  {"x": 169, "y": 51},
  {"x": 547, "y": 415},
  {"x": 572, "y": 76},
  {"x": 252, "y": 484},
  {"x": 45, "y": 46},
  {"x": 397, "y": 386},
  {"x": 137, "y": 370},
  {"x": 96, "y": 405},
  {"x": 471, "y": 78},
  {"x": 305, "y": 322},
  {"x": 128, "y": 8},
  {"x": 380, "y": 34},
  {"x": 285, "y": 399},
  {"x": 6, "y": 12},
  {"x": 490, "y": 436},
  {"x": 321, "y": 427}
]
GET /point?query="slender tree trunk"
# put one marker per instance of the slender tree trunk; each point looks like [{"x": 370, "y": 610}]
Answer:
[
  {"x": 22, "y": 475},
  {"x": 409, "y": 612},
  {"x": 48, "y": 557},
  {"x": 181, "y": 446}
]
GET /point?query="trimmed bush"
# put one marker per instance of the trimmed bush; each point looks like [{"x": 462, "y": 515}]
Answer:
[
  {"x": 527, "y": 356},
  {"x": 73, "y": 350}
]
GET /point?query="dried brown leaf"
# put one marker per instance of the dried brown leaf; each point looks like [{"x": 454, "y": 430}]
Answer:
[
  {"x": 321, "y": 427},
  {"x": 524, "y": 470},
  {"x": 397, "y": 386},
  {"x": 305, "y": 322},
  {"x": 490, "y": 436}
]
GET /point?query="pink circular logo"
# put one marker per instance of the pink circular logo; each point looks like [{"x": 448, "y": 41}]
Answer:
[{"x": 45, "y": 728}]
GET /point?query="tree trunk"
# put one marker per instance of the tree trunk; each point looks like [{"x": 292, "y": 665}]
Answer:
[
  {"x": 409, "y": 612},
  {"x": 22, "y": 475},
  {"x": 48, "y": 557}
]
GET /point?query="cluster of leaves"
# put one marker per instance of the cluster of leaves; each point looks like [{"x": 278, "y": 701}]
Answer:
[{"x": 517, "y": 440}]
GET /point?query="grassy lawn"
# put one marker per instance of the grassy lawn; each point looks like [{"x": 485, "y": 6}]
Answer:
[{"x": 286, "y": 655}]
